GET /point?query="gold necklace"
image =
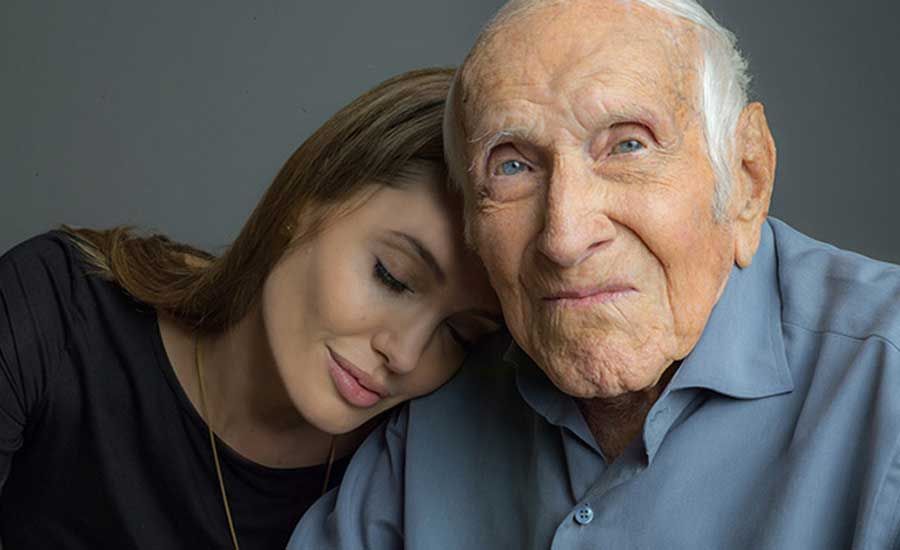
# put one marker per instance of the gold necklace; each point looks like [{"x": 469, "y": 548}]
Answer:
[{"x": 198, "y": 363}]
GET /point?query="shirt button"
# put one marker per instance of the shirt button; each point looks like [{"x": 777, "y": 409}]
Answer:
[{"x": 584, "y": 515}]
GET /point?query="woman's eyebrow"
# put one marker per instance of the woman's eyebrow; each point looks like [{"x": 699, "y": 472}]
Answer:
[{"x": 422, "y": 251}]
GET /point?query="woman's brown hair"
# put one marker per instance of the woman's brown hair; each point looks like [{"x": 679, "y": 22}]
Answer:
[{"x": 376, "y": 138}]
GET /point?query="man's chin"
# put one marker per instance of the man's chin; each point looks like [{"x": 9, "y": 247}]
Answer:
[
  {"x": 617, "y": 368},
  {"x": 581, "y": 386}
]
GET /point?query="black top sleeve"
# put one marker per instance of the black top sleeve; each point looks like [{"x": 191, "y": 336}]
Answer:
[
  {"x": 100, "y": 447},
  {"x": 33, "y": 287}
]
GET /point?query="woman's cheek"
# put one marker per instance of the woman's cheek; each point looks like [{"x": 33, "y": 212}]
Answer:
[{"x": 351, "y": 292}]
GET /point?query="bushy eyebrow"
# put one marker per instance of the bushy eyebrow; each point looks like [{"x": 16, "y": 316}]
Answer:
[
  {"x": 616, "y": 112},
  {"x": 489, "y": 140}
]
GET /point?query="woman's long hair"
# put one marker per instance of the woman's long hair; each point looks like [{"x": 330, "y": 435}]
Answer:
[{"x": 376, "y": 138}]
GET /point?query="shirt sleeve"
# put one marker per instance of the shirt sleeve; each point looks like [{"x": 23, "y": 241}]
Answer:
[
  {"x": 878, "y": 521},
  {"x": 366, "y": 511},
  {"x": 31, "y": 336}
]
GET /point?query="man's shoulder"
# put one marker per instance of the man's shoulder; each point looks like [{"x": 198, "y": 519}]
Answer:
[
  {"x": 485, "y": 374},
  {"x": 485, "y": 388},
  {"x": 841, "y": 324},
  {"x": 829, "y": 290},
  {"x": 486, "y": 368}
]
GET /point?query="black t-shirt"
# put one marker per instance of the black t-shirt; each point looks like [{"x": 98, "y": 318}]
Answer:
[{"x": 99, "y": 445}]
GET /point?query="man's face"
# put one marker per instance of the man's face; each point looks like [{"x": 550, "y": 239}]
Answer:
[{"x": 591, "y": 192}]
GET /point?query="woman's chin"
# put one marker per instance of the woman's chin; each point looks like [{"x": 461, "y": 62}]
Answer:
[{"x": 338, "y": 419}]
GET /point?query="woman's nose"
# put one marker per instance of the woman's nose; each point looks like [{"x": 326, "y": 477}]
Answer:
[{"x": 401, "y": 346}]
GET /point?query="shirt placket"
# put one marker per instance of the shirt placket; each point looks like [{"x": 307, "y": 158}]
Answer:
[{"x": 585, "y": 525}]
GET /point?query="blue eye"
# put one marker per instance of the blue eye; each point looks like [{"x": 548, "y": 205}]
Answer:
[
  {"x": 627, "y": 146},
  {"x": 512, "y": 167}
]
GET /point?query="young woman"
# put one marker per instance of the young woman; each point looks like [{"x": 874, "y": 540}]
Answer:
[{"x": 154, "y": 396}]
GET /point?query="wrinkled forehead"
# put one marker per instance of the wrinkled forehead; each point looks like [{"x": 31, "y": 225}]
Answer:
[{"x": 589, "y": 46}]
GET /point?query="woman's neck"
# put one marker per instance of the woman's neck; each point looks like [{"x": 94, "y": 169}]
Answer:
[{"x": 248, "y": 406}]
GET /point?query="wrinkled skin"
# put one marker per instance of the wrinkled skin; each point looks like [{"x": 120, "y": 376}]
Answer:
[{"x": 590, "y": 191}]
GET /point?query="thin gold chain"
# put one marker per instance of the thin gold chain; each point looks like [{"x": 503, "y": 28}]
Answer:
[
  {"x": 212, "y": 442},
  {"x": 198, "y": 362}
]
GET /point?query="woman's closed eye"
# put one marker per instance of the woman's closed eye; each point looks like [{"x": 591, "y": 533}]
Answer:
[{"x": 388, "y": 280}]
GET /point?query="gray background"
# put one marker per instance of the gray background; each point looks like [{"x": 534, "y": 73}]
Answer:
[{"x": 176, "y": 115}]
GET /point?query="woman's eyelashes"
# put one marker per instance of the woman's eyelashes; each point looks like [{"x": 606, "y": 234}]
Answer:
[
  {"x": 388, "y": 280},
  {"x": 395, "y": 285}
]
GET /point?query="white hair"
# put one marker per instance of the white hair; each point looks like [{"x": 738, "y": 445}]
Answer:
[
  {"x": 722, "y": 93},
  {"x": 723, "y": 88}
]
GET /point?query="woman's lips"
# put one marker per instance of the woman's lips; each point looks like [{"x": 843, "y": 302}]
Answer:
[{"x": 351, "y": 382}]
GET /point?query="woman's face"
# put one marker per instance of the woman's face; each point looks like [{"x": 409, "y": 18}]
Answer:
[{"x": 378, "y": 307}]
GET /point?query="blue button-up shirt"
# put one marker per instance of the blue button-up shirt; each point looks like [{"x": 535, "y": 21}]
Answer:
[{"x": 780, "y": 430}]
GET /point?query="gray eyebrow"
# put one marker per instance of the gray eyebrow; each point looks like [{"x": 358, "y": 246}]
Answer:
[{"x": 489, "y": 140}]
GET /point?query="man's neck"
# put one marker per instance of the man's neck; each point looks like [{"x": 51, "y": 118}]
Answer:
[{"x": 615, "y": 422}]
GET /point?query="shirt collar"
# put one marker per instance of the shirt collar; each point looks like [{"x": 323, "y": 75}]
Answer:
[
  {"x": 740, "y": 353},
  {"x": 558, "y": 408}
]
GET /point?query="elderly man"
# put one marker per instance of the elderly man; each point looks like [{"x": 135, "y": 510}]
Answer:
[{"x": 683, "y": 372}]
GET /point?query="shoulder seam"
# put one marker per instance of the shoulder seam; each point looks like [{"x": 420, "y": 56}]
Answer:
[{"x": 873, "y": 335}]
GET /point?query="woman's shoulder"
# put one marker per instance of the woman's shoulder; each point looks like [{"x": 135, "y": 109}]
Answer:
[
  {"x": 43, "y": 266},
  {"x": 48, "y": 280},
  {"x": 36, "y": 291},
  {"x": 54, "y": 245},
  {"x": 56, "y": 308}
]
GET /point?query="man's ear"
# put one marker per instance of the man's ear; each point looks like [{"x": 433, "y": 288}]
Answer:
[{"x": 754, "y": 175}]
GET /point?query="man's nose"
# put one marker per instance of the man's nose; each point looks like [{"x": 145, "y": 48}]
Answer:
[
  {"x": 400, "y": 344},
  {"x": 576, "y": 222}
]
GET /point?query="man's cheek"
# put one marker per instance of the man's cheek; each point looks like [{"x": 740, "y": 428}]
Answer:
[{"x": 496, "y": 254}]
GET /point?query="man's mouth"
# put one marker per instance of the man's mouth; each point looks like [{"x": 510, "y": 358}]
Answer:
[{"x": 586, "y": 296}]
